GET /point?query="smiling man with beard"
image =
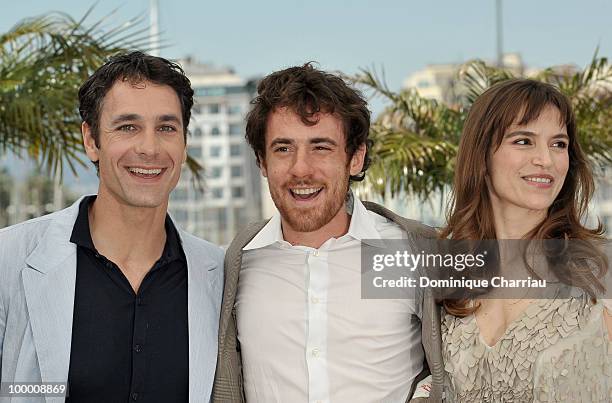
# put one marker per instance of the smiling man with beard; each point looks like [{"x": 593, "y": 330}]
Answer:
[{"x": 293, "y": 326}]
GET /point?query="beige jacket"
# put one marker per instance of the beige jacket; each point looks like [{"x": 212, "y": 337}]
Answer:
[{"x": 228, "y": 385}]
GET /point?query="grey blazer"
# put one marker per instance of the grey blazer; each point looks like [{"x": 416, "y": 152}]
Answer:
[
  {"x": 37, "y": 280},
  {"x": 228, "y": 386}
]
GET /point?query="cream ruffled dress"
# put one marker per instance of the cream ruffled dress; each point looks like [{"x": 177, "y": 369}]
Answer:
[{"x": 556, "y": 351}]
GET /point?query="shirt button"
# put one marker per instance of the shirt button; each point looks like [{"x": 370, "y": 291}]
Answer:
[
  {"x": 138, "y": 348},
  {"x": 314, "y": 300},
  {"x": 316, "y": 252},
  {"x": 135, "y": 396},
  {"x": 315, "y": 352},
  {"x": 139, "y": 301}
]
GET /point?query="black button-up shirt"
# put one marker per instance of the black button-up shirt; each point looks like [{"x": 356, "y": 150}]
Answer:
[{"x": 128, "y": 346}]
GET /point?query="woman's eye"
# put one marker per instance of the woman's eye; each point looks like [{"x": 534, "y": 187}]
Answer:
[
  {"x": 522, "y": 142},
  {"x": 560, "y": 144}
]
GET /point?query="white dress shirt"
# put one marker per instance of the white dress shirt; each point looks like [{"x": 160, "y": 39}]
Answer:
[{"x": 305, "y": 333}]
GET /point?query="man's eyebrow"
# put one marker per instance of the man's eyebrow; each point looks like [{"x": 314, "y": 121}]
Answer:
[
  {"x": 319, "y": 140},
  {"x": 316, "y": 140},
  {"x": 130, "y": 117},
  {"x": 126, "y": 117},
  {"x": 281, "y": 140},
  {"x": 169, "y": 118}
]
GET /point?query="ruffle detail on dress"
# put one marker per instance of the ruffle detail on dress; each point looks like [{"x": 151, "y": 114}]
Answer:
[{"x": 554, "y": 352}]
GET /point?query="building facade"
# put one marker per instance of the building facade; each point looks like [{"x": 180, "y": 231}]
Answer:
[
  {"x": 231, "y": 194},
  {"x": 440, "y": 81}
]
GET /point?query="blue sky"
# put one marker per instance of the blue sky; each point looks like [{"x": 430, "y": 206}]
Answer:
[{"x": 401, "y": 36}]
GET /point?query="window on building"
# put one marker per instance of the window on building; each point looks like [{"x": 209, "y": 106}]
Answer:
[
  {"x": 240, "y": 219},
  {"x": 215, "y": 151},
  {"x": 236, "y": 171},
  {"x": 199, "y": 217},
  {"x": 217, "y": 193},
  {"x": 179, "y": 194},
  {"x": 237, "y": 191},
  {"x": 234, "y": 109},
  {"x": 197, "y": 133},
  {"x": 195, "y": 151},
  {"x": 216, "y": 172},
  {"x": 214, "y": 131},
  {"x": 196, "y": 109},
  {"x": 222, "y": 218},
  {"x": 235, "y": 150},
  {"x": 235, "y": 130},
  {"x": 179, "y": 215},
  {"x": 214, "y": 109}
]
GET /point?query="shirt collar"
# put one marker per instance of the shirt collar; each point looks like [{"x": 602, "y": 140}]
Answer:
[
  {"x": 173, "y": 249},
  {"x": 361, "y": 228},
  {"x": 81, "y": 235},
  {"x": 271, "y": 233}
]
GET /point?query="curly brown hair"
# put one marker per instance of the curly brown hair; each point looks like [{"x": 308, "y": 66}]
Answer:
[{"x": 308, "y": 91}]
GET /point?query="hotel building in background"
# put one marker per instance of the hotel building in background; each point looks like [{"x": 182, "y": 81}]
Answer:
[
  {"x": 231, "y": 197},
  {"x": 439, "y": 81}
]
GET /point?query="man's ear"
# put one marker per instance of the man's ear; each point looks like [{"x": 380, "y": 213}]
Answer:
[
  {"x": 262, "y": 166},
  {"x": 91, "y": 149},
  {"x": 356, "y": 164}
]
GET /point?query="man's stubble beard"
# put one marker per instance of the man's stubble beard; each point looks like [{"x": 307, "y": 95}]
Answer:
[{"x": 311, "y": 219}]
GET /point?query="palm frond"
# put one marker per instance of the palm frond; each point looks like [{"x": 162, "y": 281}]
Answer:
[
  {"x": 404, "y": 161},
  {"x": 373, "y": 81},
  {"x": 196, "y": 170},
  {"x": 477, "y": 76},
  {"x": 416, "y": 139},
  {"x": 43, "y": 61}
]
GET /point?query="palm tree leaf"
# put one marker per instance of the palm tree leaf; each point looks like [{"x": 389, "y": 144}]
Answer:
[
  {"x": 416, "y": 139},
  {"x": 43, "y": 61}
]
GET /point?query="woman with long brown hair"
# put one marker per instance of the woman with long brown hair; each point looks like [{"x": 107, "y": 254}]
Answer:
[{"x": 521, "y": 175}]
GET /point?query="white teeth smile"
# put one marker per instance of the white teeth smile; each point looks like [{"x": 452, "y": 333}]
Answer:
[
  {"x": 143, "y": 171},
  {"x": 305, "y": 191},
  {"x": 538, "y": 180}
]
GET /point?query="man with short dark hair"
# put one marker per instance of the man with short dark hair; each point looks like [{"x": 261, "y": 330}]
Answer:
[
  {"x": 108, "y": 295},
  {"x": 293, "y": 324}
]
